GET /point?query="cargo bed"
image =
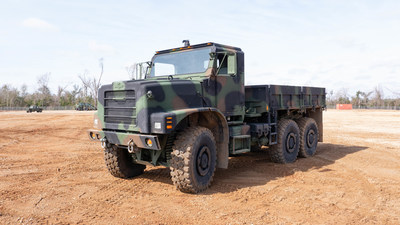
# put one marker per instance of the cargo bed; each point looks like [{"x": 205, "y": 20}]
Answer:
[{"x": 263, "y": 98}]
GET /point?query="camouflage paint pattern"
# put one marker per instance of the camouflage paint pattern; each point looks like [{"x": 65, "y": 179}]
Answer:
[
  {"x": 154, "y": 107},
  {"x": 262, "y": 98}
]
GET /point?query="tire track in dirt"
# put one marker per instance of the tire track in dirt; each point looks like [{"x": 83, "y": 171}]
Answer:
[{"x": 55, "y": 175}]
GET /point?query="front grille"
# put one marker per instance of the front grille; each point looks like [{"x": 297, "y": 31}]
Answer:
[{"x": 119, "y": 107}]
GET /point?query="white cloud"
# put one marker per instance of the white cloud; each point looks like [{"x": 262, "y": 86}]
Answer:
[
  {"x": 348, "y": 43},
  {"x": 102, "y": 48},
  {"x": 39, "y": 24}
]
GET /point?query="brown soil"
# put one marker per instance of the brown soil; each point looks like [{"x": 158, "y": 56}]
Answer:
[{"x": 51, "y": 173}]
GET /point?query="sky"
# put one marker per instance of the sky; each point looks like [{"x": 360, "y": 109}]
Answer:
[{"x": 341, "y": 45}]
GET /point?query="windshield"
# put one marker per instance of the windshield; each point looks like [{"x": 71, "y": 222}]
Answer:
[{"x": 188, "y": 62}]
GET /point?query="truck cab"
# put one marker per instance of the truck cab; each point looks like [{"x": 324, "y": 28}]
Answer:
[{"x": 189, "y": 111}]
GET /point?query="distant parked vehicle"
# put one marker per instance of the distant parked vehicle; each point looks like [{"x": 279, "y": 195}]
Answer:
[
  {"x": 34, "y": 108},
  {"x": 84, "y": 107}
]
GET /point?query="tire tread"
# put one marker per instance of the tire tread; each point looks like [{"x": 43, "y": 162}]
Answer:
[
  {"x": 119, "y": 165},
  {"x": 303, "y": 124},
  {"x": 179, "y": 164},
  {"x": 275, "y": 152}
]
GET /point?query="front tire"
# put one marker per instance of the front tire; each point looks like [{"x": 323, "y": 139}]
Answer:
[
  {"x": 193, "y": 160},
  {"x": 120, "y": 164},
  {"x": 287, "y": 148}
]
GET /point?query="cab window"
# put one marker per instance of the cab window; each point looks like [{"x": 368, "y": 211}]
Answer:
[{"x": 226, "y": 63}]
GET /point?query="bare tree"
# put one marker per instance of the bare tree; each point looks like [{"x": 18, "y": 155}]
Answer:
[
  {"x": 131, "y": 71},
  {"x": 24, "y": 95},
  {"x": 342, "y": 96},
  {"x": 365, "y": 96},
  {"x": 24, "y": 90},
  {"x": 10, "y": 96},
  {"x": 97, "y": 84},
  {"x": 5, "y": 95},
  {"x": 378, "y": 96},
  {"x": 87, "y": 84},
  {"x": 329, "y": 97},
  {"x": 92, "y": 84},
  {"x": 397, "y": 94},
  {"x": 73, "y": 96},
  {"x": 44, "y": 94},
  {"x": 61, "y": 91},
  {"x": 356, "y": 100}
]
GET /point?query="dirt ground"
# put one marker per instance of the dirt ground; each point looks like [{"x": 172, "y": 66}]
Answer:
[{"x": 51, "y": 173}]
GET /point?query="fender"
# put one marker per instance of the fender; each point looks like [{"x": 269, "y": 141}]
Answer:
[{"x": 165, "y": 122}]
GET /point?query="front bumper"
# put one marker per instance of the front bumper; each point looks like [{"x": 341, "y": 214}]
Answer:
[{"x": 121, "y": 138}]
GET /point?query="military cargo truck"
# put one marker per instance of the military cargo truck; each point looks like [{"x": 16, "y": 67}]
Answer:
[{"x": 190, "y": 111}]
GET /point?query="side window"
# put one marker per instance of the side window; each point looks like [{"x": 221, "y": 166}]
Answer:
[
  {"x": 222, "y": 63},
  {"x": 226, "y": 62}
]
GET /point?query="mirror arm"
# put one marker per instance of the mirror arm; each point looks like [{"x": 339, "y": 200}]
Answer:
[{"x": 149, "y": 65}]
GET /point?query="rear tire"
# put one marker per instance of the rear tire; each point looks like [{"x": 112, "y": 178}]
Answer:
[
  {"x": 287, "y": 148},
  {"x": 193, "y": 160},
  {"x": 308, "y": 137},
  {"x": 120, "y": 164},
  {"x": 256, "y": 148}
]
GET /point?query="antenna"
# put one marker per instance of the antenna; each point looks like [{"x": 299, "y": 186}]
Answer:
[{"x": 185, "y": 43}]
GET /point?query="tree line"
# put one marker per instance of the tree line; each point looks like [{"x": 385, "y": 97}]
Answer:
[
  {"x": 87, "y": 92},
  {"x": 19, "y": 97},
  {"x": 364, "y": 100}
]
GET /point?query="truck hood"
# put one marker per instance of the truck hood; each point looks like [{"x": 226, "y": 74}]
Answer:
[{"x": 128, "y": 105}]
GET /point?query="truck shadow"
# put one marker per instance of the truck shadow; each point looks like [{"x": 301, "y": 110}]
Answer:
[{"x": 256, "y": 169}]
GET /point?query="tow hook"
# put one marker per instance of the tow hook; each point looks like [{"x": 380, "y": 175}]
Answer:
[
  {"x": 104, "y": 143},
  {"x": 132, "y": 148}
]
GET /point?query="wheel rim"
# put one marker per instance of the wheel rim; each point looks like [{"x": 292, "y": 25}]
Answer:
[
  {"x": 291, "y": 142},
  {"x": 310, "y": 138},
  {"x": 203, "y": 161}
]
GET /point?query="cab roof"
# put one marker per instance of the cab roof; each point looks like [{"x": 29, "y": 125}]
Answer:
[{"x": 199, "y": 46}]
